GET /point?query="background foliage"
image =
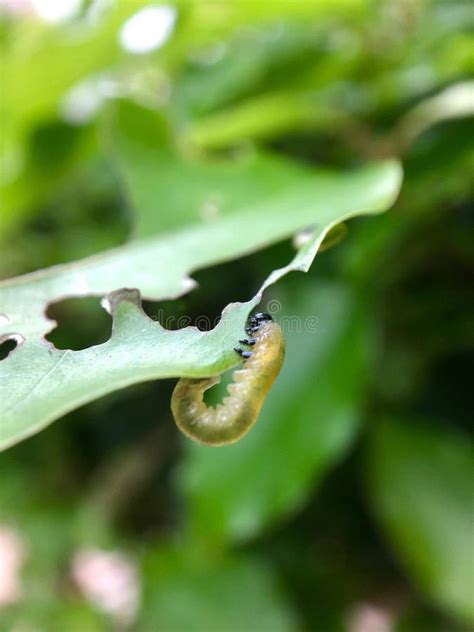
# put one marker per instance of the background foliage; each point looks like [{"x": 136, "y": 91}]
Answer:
[{"x": 352, "y": 497}]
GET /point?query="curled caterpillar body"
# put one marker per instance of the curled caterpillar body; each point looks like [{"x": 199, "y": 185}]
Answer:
[{"x": 231, "y": 420}]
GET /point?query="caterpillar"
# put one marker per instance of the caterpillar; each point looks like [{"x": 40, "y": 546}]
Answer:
[{"x": 233, "y": 418}]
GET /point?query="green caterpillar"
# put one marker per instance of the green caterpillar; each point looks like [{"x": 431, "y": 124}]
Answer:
[{"x": 231, "y": 420}]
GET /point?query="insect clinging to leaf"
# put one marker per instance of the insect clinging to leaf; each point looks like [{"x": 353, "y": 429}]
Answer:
[{"x": 238, "y": 412}]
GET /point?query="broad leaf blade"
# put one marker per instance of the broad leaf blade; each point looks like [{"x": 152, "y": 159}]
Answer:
[
  {"x": 159, "y": 267},
  {"x": 40, "y": 383},
  {"x": 422, "y": 482}
]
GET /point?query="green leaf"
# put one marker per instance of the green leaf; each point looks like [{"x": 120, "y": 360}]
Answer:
[
  {"x": 55, "y": 150},
  {"x": 153, "y": 173},
  {"x": 41, "y": 383},
  {"x": 415, "y": 619},
  {"x": 268, "y": 116},
  {"x": 36, "y": 77},
  {"x": 451, "y": 103},
  {"x": 422, "y": 488},
  {"x": 53, "y": 60},
  {"x": 160, "y": 267},
  {"x": 307, "y": 423},
  {"x": 185, "y": 591}
]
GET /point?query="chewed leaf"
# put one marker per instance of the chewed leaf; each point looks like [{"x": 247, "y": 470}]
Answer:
[
  {"x": 40, "y": 383},
  {"x": 160, "y": 267}
]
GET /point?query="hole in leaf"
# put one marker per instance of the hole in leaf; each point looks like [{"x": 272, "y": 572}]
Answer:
[
  {"x": 8, "y": 345},
  {"x": 218, "y": 286},
  {"x": 81, "y": 323}
]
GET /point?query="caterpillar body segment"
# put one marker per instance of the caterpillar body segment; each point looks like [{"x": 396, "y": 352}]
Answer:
[{"x": 238, "y": 412}]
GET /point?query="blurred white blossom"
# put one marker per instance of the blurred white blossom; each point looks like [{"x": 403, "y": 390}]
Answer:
[
  {"x": 12, "y": 555},
  {"x": 56, "y": 10},
  {"x": 108, "y": 580},
  {"x": 16, "y": 7},
  {"x": 370, "y": 618},
  {"x": 148, "y": 29}
]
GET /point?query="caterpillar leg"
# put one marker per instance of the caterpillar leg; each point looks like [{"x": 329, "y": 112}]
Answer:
[{"x": 245, "y": 354}]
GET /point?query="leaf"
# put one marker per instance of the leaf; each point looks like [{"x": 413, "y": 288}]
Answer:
[
  {"x": 415, "y": 619},
  {"x": 421, "y": 483},
  {"x": 307, "y": 423},
  {"x": 451, "y": 103},
  {"x": 267, "y": 116},
  {"x": 315, "y": 198},
  {"x": 36, "y": 77},
  {"x": 153, "y": 173},
  {"x": 185, "y": 591},
  {"x": 40, "y": 383},
  {"x": 204, "y": 22},
  {"x": 56, "y": 58},
  {"x": 54, "y": 151}
]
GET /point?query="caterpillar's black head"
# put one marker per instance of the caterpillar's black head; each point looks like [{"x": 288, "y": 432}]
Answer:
[{"x": 256, "y": 321}]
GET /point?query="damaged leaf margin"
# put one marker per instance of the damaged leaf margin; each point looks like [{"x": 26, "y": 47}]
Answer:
[{"x": 40, "y": 383}]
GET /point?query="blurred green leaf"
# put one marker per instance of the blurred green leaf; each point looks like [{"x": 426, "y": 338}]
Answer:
[
  {"x": 53, "y": 615},
  {"x": 215, "y": 190},
  {"x": 205, "y": 22},
  {"x": 249, "y": 60},
  {"x": 40, "y": 63},
  {"x": 53, "y": 59},
  {"x": 54, "y": 151},
  {"x": 186, "y": 591},
  {"x": 422, "y": 490},
  {"x": 48, "y": 535},
  {"x": 307, "y": 423},
  {"x": 416, "y": 620},
  {"x": 266, "y": 116},
  {"x": 454, "y": 102}
]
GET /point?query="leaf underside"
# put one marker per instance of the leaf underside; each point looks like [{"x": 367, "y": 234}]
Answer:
[{"x": 40, "y": 383}]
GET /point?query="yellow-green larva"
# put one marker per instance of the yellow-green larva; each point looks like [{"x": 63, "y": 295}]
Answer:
[{"x": 231, "y": 420}]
